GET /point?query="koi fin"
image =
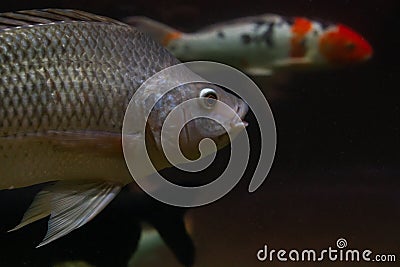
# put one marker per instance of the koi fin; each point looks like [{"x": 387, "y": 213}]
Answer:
[
  {"x": 301, "y": 61},
  {"x": 160, "y": 32},
  {"x": 70, "y": 205},
  {"x": 259, "y": 71}
]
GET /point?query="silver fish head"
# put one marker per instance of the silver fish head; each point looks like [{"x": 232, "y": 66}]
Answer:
[{"x": 201, "y": 110}]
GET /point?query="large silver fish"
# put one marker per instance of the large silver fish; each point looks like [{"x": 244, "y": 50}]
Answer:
[{"x": 66, "y": 80}]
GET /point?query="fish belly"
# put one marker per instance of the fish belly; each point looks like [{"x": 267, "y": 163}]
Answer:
[{"x": 27, "y": 162}]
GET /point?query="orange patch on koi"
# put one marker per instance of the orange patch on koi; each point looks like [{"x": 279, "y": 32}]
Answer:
[{"x": 300, "y": 28}]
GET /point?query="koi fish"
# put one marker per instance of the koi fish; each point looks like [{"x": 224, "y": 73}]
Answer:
[
  {"x": 259, "y": 45},
  {"x": 67, "y": 77}
]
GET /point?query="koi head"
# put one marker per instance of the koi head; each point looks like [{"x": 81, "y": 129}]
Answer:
[{"x": 341, "y": 45}]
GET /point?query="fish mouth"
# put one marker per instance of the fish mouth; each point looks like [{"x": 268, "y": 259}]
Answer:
[
  {"x": 239, "y": 124},
  {"x": 367, "y": 57},
  {"x": 241, "y": 111}
]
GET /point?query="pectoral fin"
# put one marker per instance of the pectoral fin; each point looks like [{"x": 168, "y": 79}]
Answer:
[{"x": 70, "y": 205}]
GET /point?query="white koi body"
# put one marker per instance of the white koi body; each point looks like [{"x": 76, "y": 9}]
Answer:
[{"x": 260, "y": 44}]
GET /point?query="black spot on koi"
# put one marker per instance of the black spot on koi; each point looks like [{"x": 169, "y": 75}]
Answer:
[
  {"x": 246, "y": 38},
  {"x": 268, "y": 34},
  {"x": 221, "y": 34}
]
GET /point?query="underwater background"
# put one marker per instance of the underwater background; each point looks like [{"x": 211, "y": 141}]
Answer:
[{"x": 335, "y": 175}]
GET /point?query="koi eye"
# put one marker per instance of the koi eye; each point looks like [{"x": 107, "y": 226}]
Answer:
[{"x": 208, "y": 98}]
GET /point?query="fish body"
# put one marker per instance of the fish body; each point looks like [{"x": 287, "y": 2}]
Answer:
[
  {"x": 61, "y": 84},
  {"x": 260, "y": 44},
  {"x": 66, "y": 80}
]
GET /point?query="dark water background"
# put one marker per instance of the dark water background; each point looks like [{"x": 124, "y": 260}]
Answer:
[{"x": 336, "y": 172}]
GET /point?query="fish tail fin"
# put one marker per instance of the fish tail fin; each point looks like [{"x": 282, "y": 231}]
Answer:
[
  {"x": 70, "y": 205},
  {"x": 160, "y": 32}
]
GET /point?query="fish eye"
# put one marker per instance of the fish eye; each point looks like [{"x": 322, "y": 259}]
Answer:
[
  {"x": 208, "y": 97},
  {"x": 350, "y": 46}
]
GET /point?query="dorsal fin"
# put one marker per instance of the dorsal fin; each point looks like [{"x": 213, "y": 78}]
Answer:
[{"x": 46, "y": 16}]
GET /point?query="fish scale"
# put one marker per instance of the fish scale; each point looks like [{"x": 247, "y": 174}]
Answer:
[
  {"x": 69, "y": 78},
  {"x": 75, "y": 83}
]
